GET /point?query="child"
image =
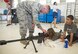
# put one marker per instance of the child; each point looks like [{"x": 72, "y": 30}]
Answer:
[
  {"x": 9, "y": 14},
  {"x": 52, "y": 35},
  {"x": 55, "y": 9},
  {"x": 71, "y": 29}
]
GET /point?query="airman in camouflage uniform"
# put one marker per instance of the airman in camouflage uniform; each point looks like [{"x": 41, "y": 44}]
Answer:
[{"x": 27, "y": 13}]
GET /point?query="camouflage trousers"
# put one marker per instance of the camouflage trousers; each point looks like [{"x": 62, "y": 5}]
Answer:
[{"x": 25, "y": 21}]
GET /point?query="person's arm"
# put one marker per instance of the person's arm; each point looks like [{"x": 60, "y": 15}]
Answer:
[
  {"x": 35, "y": 16},
  {"x": 71, "y": 39},
  {"x": 9, "y": 11},
  {"x": 57, "y": 8},
  {"x": 65, "y": 30},
  {"x": 63, "y": 36},
  {"x": 64, "y": 33},
  {"x": 73, "y": 31},
  {"x": 37, "y": 23}
]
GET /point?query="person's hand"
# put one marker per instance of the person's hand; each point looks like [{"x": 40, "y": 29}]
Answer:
[
  {"x": 44, "y": 30},
  {"x": 57, "y": 10},
  {"x": 70, "y": 44},
  {"x": 33, "y": 25}
]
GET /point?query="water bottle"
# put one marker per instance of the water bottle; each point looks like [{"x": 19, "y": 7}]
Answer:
[{"x": 66, "y": 43}]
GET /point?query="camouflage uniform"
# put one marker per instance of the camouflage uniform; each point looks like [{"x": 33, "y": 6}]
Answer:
[{"x": 27, "y": 13}]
